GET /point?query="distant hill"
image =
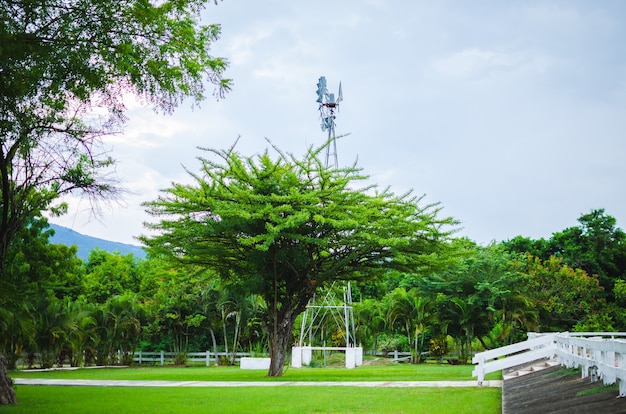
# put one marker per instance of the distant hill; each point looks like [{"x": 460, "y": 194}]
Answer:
[{"x": 85, "y": 244}]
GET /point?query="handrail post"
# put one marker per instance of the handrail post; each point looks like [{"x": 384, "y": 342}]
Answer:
[{"x": 480, "y": 369}]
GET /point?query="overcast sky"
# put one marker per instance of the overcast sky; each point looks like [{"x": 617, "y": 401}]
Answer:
[{"x": 510, "y": 114}]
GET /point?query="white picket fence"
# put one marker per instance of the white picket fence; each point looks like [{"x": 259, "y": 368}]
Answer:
[{"x": 600, "y": 355}]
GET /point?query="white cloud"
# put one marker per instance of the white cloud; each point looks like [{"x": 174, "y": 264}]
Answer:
[
  {"x": 241, "y": 47},
  {"x": 556, "y": 16},
  {"x": 480, "y": 63},
  {"x": 148, "y": 129}
]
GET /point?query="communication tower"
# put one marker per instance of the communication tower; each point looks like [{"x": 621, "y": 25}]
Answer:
[{"x": 329, "y": 106}]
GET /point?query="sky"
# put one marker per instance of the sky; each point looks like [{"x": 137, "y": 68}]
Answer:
[{"x": 511, "y": 115}]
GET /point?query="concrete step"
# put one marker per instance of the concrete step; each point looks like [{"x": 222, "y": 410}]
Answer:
[{"x": 529, "y": 369}]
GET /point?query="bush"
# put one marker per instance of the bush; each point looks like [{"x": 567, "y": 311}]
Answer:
[
  {"x": 180, "y": 358},
  {"x": 388, "y": 343},
  {"x": 438, "y": 346}
]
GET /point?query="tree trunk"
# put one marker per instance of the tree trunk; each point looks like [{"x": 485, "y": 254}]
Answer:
[
  {"x": 482, "y": 342},
  {"x": 217, "y": 358},
  {"x": 236, "y": 339},
  {"x": 7, "y": 395},
  {"x": 280, "y": 341}
]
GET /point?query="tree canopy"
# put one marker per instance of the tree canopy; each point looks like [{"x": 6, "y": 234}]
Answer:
[
  {"x": 66, "y": 68},
  {"x": 596, "y": 246},
  {"x": 284, "y": 227}
]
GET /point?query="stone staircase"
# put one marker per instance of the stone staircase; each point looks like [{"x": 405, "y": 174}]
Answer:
[{"x": 529, "y": 368}]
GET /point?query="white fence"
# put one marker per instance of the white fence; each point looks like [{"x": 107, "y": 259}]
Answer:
[
  {"x": 163, "y": 357},
  {"x": 514, "y": 354},
  {"x": 601, "y": 355},
  {"x": 208, "y": 357}
]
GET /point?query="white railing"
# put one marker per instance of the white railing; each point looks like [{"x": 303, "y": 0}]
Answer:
[
  {"x": 601, "y": 355},
  {"x": 514, "y": 354},
  {"x": 162, "y": 357}
]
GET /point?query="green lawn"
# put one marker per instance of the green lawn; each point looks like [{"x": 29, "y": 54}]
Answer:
[{"x": 67, "y": 400}]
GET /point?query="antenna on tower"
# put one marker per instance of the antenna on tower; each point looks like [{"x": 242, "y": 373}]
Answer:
[{"x": 328, "y": 107}]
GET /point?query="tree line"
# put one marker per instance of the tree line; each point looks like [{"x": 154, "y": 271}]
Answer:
[{"x": 62, "y": 310}]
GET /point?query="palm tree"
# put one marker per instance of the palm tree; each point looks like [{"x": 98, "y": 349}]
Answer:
[
  {"x": 239, "y": 307},
  {"x": 208, "y": 302},
  {"x": 80, "y": 328},
  {"x": 468, "y": 319},
  {"x": 125, "y": 325},
  {"x": 118, "y": 326},
  {"x": 17, "y": 330},
  {"x": 370, "y": 321},
  {"x": 50, "y": 325},
  {"x": 413, "y": 313}
]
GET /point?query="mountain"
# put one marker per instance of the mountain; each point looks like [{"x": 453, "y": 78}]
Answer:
[{"x": 85, "y": 244}]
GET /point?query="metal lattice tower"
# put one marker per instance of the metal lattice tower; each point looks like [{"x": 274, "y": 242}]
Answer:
[
  {"x": 331, "y": 310},
  {"x": 333, "y": 307},
  {"x": 328, "y": 107}
]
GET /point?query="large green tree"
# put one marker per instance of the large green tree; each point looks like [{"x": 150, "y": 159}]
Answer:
[
  {"x": 596, "y": 246},
  {"x": 284, "y": 227},
  {"x": 109, "y": 274},
  {"x": 36, "y": 270},
  {"x": 563, "y": 297},
  {"x": 66, "y": 67}
]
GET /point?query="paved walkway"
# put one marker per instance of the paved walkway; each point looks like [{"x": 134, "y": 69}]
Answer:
[{"x": 134, "y": 383}]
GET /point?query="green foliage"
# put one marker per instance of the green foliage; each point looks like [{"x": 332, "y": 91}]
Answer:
[
  {"x": 370, "y": 322},
  {"x": 177, "y": 310},
  {"x": 438, "y": 346},
  {"x": 413, "y": 313},
  {"x": 619, "y": 290},
  {"x": 118, "y": 328},
  {"x": 109, "y": 274},
  {"x": 596, "y": 246},
  {"x": 66, "y": 67},
  {"x": 36, "y": 267},
  {"x": 562, "y": 296},
  {"x": 484, "y": 286},
  {"x": 393, "y": 342}
]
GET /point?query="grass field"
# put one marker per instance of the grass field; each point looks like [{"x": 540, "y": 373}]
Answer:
[{"x": 49, "y": 399}]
